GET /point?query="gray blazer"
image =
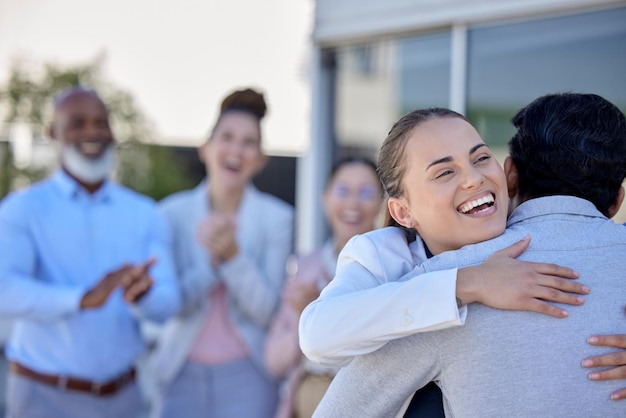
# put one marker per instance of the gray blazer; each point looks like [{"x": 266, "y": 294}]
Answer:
[
  {"x": 508, "y": 363},
  {"x": 254, "y": 278}
]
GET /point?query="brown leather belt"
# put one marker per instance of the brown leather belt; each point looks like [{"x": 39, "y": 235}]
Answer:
[{"x": 71, "y": 383}]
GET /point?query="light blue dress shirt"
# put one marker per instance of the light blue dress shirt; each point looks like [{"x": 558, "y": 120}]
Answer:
[{"x": 56, "y": 242}]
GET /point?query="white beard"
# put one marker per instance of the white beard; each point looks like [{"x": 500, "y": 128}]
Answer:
[{"x": 89, "y": 171}]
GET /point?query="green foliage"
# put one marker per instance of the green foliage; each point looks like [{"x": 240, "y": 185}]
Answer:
[
  {"x": 27, "y": 98},
  {"x": 170, "y": 173},
  {"x": 12, "y": 177}
]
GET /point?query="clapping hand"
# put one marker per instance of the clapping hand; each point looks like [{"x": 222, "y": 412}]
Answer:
[
  {"x": 298, "y": 294},
  {"x": 137, "y": 282},
  {"x": 133, "y": 279},
  {"x": 217, "y": 233}
]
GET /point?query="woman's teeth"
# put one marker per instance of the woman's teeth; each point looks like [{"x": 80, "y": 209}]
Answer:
[{"x": 465, "y": 208}]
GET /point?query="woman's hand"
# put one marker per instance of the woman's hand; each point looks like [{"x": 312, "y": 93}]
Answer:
[
  {"x": 299, "y": 293},
  {"x": 617, "y": 359},
  {"x": 506, "y": 283},
  {"x": 217, "y": 233}
]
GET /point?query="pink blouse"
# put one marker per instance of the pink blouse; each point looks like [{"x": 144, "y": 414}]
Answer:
[{"x": 218, "y": 341}]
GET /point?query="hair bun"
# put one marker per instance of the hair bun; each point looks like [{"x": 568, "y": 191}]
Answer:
[{"x": 246, "y": 100}]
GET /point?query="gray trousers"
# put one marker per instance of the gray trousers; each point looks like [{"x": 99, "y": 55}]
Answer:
[
  {"x": 27, "y": 398},
  {"x": 232, "y": 390}
]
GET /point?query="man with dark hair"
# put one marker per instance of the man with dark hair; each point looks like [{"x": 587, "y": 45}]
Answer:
[
  {"x": 567, "y": 164},
  {"x": 572, "y": 145},
  {"x": 83, "y": 259}
]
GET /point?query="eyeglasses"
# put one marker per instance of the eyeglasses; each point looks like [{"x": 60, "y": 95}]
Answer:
[{"x": 364, "y": 194}]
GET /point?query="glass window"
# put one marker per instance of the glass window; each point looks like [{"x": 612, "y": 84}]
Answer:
[
  {"x": 424, "y": 72},
  {"x": 378, "y": 82},
  {"x": 510, "y": 65}
]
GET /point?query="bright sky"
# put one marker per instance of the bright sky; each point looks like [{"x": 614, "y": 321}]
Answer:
[{"x": 177, "y": 58}]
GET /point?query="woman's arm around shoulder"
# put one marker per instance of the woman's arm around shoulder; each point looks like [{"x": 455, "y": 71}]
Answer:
[{"x": 366, "y": 304}]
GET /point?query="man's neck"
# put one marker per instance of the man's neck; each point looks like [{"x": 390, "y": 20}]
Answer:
[{"x": 91, "y": 188}]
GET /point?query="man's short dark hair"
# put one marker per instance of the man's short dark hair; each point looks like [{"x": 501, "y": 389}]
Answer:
[{"x": 570, "y": 144}]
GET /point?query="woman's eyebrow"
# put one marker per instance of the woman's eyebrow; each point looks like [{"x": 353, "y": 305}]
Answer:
[
  {"x": 440, "y": 161},
  {"x": 476, "y": 147},
  {"x": 449, "y": 158}
]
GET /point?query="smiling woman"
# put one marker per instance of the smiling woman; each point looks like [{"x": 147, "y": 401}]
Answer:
[
  {"x": 352, "y": 201},
  {"x": 231, "y": 269},
  {"x": 451, "y": 169}
]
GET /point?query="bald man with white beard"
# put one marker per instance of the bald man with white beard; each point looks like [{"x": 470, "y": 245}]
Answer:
[{"x": 84, "y": 259}]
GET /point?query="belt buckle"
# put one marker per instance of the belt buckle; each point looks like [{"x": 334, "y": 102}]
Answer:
[
  {"x": 62, "y": 383},
  {"x": 96, "y": 388}
]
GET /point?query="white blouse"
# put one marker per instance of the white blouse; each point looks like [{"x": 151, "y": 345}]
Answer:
[{"x": 375, "y": 298}]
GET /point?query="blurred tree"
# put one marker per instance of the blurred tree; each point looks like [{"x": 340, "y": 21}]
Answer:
[{"x": 26, "y": 98}]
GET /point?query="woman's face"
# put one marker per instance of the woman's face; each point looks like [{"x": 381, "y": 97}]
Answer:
[
  {"x": 233, "y": 154},
  {"x": 454, "y": 189},
  {"x": 352, "y": 201}
]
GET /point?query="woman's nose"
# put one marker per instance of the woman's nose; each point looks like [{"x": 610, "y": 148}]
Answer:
[{"x": 473, "y": 178}]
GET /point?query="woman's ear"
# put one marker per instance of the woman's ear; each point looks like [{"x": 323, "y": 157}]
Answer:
[
  {"x": 510, "y": 172},
  {"x": 399, "y": 211},
  {"x": 619, "y": 199}
]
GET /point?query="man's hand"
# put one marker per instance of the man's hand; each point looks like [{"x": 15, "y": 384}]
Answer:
[
  {"x": 99, "y": 294},
  {"x": 617, "y": 359},
  {"x": 137, "y": 283},
  {"x": 506, "y": 283},
  {"x": 217, "y": 234},
  {"x": 134, "y": 280}
]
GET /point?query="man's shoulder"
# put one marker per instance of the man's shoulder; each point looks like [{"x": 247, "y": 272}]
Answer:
[
  {"x": 26, "y": 197},
  {"x": 132, "y": 196},
  {"x": 473, "y": 254}
]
